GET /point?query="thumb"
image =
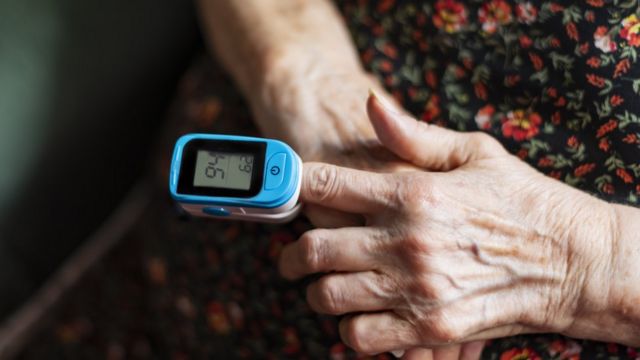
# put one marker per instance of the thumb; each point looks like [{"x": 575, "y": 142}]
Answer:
[{"x": 428, "y": 146}]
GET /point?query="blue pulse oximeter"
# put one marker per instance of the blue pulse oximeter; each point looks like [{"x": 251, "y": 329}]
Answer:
[{"x": 236, "y": 177}]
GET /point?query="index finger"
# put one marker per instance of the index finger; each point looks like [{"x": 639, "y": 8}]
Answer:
[{"x": 350, "y": 190}]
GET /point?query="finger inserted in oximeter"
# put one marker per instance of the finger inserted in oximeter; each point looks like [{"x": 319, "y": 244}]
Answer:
[{"x": 236, "y": 177}]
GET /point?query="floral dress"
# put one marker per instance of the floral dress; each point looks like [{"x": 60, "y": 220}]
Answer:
[{"x": 556, "y": 82}]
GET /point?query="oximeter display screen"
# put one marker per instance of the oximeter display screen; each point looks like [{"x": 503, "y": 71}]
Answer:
[{"x": 223, "y": 170}]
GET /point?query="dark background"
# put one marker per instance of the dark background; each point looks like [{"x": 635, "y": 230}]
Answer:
[{"x": 83, "y": 88}]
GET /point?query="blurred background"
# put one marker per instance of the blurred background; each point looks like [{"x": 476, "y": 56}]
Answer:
[{"x": 83, "y": 89}]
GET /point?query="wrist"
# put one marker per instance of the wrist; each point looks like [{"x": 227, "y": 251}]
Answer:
[
  {"x": 312, "y": 101},
  {"x": 624, "y": 293},
  {"x": 609, "y": 280}
]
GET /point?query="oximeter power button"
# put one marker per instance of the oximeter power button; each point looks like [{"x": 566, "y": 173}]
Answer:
[{"x": 275, "y": 171}]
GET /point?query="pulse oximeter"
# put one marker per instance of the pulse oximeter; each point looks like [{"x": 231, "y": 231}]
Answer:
[{"x": 236, "y": 177}]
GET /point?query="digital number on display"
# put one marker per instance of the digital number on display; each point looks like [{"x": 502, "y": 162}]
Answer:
[{"x": 223, "y": 170}]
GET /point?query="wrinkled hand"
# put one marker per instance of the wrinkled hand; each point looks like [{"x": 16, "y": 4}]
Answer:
[{"x": 483, "y": 247}]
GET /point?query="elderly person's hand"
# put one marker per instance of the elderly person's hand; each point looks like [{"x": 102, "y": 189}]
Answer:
[{"x": 483, "y": 248}]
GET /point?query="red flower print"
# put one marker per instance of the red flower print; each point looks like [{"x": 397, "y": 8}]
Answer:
[
  {"x": 526, "y": 13},
  {"x": 556, "y": 118},
  {"x": 537, "y": 62},
  {"x": 386, "y": 66},
  {"x": 390, "y": 51},
  {"x": 624, "y": 175},
  {"x": 603, "y": 40},
  {"x": 494, "y": 14},
  {"x": 483, "y": 117},
  {"x": 584, "y": 48},
  {"x": 616, "y": 100},
  {"x": 630, "y": 139},
  {"x": 511, "y": 80},
  {"x": 594, "y": 62},
  {"x": 480, "y": 90},
  {"x": 522, "y": 153},
  {"x": 525, "y": 41},
  {"x": 520, "y": 354},
  {"x": 631, "y": 30},
  {"x": 595, "y": 3},
  {"x": 555, "y": 7},
  {"x": 545, "y": 162},
  {"x": 459, "y": 72},
  {"x": 622, "y": 67},
  {"x": 589, "y": 16},
  {"x": 595, "y": 80},
  {"x": 468, "y": 63},
  {"x": 557, "y": 346},
  {"x": 385, "y": 5},
  {"x": 521, "y": 125},
  {"x": 556, "y": 174},
  {"x": 572, "y": 32},
  {"x": 431, "y": 79},
  {"x": 565, "y": 349},
  {"x": 552, "y": 92},
  {"x": 573, "y": 142},
  {"x": 608, "y": 189},
  {"x": 431, "y": 109},
  {"x": 450, "y": 16},
  {"x": 584, "y": 169},
  {"x": 604, "y": 144},
  {"x": 638, "y": 188}
]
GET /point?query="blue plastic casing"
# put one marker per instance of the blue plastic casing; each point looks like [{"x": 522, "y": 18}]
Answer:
[{"x": 266, "y": 198}]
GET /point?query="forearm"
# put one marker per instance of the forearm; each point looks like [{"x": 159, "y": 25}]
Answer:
[{"x": 251, "y": 37}]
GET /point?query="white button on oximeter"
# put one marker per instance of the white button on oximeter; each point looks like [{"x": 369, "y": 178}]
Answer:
[{"x": 236, "y": 177}]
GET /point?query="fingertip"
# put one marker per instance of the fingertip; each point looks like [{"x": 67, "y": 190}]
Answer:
[
  {"x": 391, "y": 125},
  {"x": 284, "y": 263},
  {"x": 380, "y": 117}
]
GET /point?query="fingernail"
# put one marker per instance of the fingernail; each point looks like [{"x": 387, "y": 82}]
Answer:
[
  {"x": 386, "y": 104},
  {"x": 397, "y": 353}
]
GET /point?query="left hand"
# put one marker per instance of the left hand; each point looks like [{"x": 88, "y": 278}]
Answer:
[{"x": 485, "y": 247}]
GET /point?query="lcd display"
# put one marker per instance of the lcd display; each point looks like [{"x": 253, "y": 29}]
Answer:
[{"x": 223, "y": 170}]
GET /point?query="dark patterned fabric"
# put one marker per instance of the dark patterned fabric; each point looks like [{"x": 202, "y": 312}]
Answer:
[{"x": 556, "y": 82}]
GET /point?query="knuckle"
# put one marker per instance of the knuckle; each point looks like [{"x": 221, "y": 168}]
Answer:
[
  {"x": 354, "y": 336},
  {"x": 442, "y": 329},
  {"x": 416, "y": 191},
  {"x": 313, "y": 250},
  {"x": 484, "y": 143},
  {"x": 330, "y": 299},
  {"x": 323, "y": 182}
]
